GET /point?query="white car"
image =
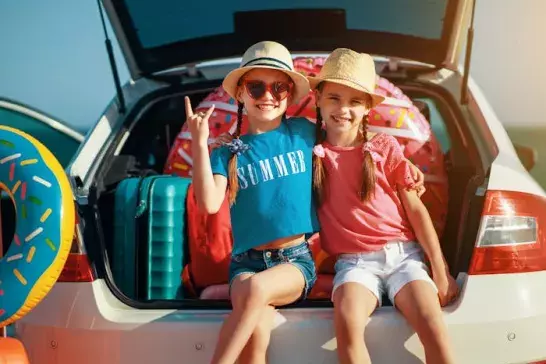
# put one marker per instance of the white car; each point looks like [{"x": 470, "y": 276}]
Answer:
[{"x": 494, "y": 241}]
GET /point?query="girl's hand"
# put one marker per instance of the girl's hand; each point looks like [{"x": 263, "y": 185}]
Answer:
[
  {"x": 447, "y": 287},
  {"x": 221, "y": 139},
  {"x": 198, "y": 123},
  {"x": 419, "y": 178}
]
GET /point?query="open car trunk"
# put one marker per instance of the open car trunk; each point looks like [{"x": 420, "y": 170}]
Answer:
[
  {"x": 157, "y": 36},
  {"x": 167, "y": 39},
  {"x": 161, "y": 116}
]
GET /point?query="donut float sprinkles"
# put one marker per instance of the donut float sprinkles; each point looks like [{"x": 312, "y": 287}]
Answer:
[{"x": 45, "y": 217}]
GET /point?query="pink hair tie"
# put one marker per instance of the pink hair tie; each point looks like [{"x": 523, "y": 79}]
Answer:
[{"x": 318, "y": 150}]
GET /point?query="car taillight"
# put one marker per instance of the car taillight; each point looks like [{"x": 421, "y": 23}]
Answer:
[
  {"x": 77, "y": 267},
  {"x": 511, "y": 237}
]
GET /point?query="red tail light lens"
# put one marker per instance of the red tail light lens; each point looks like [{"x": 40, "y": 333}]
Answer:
[
  {"x": 76, "y": 269},
  {"x": 511, "y": 237}
]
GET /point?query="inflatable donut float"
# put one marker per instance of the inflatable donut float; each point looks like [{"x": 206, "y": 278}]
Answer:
[{"x": 45, "y": 217}]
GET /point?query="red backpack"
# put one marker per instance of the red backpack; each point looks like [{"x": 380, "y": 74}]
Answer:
[{"x": 210, "y": 242}]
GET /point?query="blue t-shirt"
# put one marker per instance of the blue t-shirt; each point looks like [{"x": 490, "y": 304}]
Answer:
[{"x": 275, "y": 184}]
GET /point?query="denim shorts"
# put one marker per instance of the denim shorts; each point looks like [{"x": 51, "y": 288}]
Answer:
[{"x": 254, "y": 261}]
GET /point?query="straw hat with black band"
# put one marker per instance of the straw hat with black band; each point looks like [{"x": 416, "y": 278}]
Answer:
[{"x": 270, "y": 55}]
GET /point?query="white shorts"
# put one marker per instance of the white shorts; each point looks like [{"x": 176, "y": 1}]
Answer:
[{"x": 386, "y": 270}]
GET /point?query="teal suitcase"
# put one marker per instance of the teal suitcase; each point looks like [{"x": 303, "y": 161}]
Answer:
[{"x": 150, "y": 235}]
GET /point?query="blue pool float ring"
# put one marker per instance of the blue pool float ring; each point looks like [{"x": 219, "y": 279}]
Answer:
[{"x": 45, "y": 218}]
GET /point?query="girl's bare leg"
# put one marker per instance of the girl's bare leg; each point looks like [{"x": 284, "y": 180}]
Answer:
[
  {"x": 277, "y": 286},
  {"x": 353, "y": 305},
  {"x": 255, "y": 351},
  {"x": 418, "y": 302}
]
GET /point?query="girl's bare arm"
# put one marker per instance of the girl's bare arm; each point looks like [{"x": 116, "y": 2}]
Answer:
[{"x": 209, "y": 189}]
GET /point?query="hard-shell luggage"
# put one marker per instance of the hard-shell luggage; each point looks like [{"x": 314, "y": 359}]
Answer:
[{"x": 150, "y": 234}]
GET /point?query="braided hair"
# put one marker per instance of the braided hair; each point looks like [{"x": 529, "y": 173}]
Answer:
[
  {"x": 368, "y": 166},
  {"x": 319, "y": 171},
  {"x": 233, "y": 181}
]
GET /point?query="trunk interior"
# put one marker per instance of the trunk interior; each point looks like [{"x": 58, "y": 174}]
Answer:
[{"x": 151, "y": 136}]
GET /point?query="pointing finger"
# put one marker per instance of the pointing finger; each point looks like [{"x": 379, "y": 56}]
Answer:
[{"x": 189, "y": 111}]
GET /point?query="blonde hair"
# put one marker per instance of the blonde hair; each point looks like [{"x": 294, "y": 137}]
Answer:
[
  {"x": 320, "y": 176},
  {"x": 319, "y": 172}
]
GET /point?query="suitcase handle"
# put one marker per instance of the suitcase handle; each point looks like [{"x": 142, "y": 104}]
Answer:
[{"x": 144, "y": 193}]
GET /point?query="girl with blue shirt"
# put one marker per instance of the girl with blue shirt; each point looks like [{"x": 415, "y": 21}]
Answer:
[{"x": 267, "y": 175}]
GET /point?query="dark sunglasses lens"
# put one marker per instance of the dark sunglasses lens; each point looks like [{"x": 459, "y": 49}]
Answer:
[
  {"x": 280, "y": 90},
  {"x": 256, "y": 89}
]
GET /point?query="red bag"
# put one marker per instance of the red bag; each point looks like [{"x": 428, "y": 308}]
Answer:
[{"x": 210, "y": 242}]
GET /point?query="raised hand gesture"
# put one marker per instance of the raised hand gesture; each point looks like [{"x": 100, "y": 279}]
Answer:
[{"x": 198, "y": 123}]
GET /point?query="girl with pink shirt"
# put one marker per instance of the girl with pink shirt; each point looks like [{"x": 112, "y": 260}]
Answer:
[{"x": 372, "y": 218}]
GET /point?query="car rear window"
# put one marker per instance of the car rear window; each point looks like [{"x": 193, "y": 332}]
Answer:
[{"x": 164, "y": 22}]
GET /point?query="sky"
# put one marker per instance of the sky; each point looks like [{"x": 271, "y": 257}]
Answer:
[{"x": 53, "y": 57}]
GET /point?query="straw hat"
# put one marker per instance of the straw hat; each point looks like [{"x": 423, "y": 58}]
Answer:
[
  {"x": 270, "y": 55},
  {"x": 352, "y": 69}
]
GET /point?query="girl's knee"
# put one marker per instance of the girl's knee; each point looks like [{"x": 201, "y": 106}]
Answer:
[
  {"x": 349, "y": 316},
  {"x": 249, "y": 294},
  {"x": 348, "y": 306},
  {"x": 345, "y": 308}
]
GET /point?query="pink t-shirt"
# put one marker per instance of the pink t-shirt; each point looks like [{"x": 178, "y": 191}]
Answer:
[{"x": 347, "y": 224}]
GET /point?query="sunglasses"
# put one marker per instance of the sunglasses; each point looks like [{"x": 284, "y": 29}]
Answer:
[{"x": 257, "y": 89}]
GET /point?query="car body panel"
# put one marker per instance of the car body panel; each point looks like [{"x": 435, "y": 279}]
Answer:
[{"x": 87, "y": 322}]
